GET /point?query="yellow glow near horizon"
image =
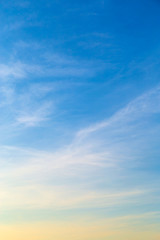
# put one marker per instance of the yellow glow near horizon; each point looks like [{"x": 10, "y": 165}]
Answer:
[{"x": 69, "y": 231}]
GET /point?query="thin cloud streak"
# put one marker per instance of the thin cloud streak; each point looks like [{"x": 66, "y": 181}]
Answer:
[{"x": 146, "y": 104}]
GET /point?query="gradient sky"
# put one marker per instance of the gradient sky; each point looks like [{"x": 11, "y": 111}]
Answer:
[{"x": 80, "y": 120}]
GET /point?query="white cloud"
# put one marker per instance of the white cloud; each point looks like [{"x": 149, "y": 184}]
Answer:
[
  {"x": 16, "y": 70},
  {"x": 144, "y": 105},
  {"x": 62, "y": 197},
  {"x": 34, "y": 116},
  {"x": 55, "y": 65}
]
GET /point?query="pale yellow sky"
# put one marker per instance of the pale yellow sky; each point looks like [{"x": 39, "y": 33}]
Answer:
[{"x": 72, "y": 231}]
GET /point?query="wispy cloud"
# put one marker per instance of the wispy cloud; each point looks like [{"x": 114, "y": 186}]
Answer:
[
  {"x": 53, "y": 65},
  {"x": 28, "y": 106},
  {"x": 33, "y": 119},
  {"x": 16, "y": 70},
  {"x": 84, "y": 149},
  {"x": 63, "y": 197},
  {"x": 140, "y": 107}
]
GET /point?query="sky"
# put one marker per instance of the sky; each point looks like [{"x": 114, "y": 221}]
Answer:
[{"x": 79, "y": 120}]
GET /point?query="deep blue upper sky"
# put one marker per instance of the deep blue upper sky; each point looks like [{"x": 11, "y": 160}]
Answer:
[{"x": 117, "y": 40}]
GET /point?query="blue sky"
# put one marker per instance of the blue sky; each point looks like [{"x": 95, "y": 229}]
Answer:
[{"x": 80, "y": 113}]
